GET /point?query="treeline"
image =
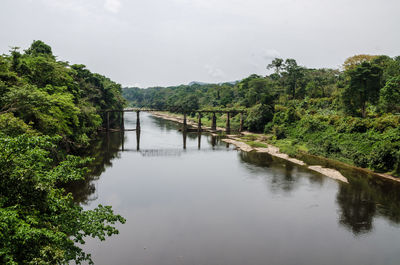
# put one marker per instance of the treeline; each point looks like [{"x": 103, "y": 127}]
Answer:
[
  {"x": 41, "y": 95},
  {"x": 349, "y": 115},
  {"x": 49, "y": 109}
]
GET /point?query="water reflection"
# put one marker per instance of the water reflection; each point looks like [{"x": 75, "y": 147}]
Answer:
[
  {"x": 360, "y": 202},
  {"x": 284, "y": 175},
  {"x": 363, "y": 199},
  {"x": 138, "y": 140},
  {"x": 366, "y": 197},
  {"x": 199, "y": 140},
  {"x": 104, "y": 149},
  {"x": 357, "y": 208},
  {"x": 184, "y": 134}
]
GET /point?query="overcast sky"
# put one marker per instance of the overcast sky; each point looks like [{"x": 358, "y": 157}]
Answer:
[{"x": 170, "y": 42}]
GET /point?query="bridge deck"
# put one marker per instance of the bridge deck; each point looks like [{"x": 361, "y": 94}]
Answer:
[{"x": 187, "y": 111}]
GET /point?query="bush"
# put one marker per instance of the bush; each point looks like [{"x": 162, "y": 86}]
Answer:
[
  {"x": 291, "y": 115},
  {"x": 257, "y": 117},
  {"x": 390, "y": 95},
  {"x": 39, "y": 222},
  {"x": 310, "y": 124},
  {"x": 268, "y": 127},
  {"x": 279, "y": 132},
  {"x": 385, "y": 122},
  {"x": 358, "y": 125},
  {"x": 384, "y": 156},
  {"x": 12, "y": 126}
]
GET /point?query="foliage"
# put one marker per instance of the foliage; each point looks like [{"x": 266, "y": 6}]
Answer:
[
  {"x": 357, "y": 60},
  {"x": 346, "y": 115},
  {"x": 10, "y": 125},
  {"x": 256, "y": 144},
  {"x": 39, "y": 222},
  {"x": 364, "y": 86},
  {"x": 54, "y": 97},
  {"x": 390, "y": 95},
  {"x": 258, "y": 116},
  {"x": 48, "y": 107}
]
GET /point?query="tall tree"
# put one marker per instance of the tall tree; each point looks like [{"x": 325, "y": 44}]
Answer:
[
  {"x": 277, "y": 64},
  {"x": 364, "y": 86},
  {"x": 293, "y": 73},
  {"x": 390, "y": 95},
  {"x": 357, "y": 60}
]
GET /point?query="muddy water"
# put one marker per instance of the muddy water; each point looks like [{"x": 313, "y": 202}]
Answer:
[{"x": 191, "y": 199}]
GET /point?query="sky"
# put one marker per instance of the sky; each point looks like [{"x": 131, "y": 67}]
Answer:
[{"x": 170, "y": 42}]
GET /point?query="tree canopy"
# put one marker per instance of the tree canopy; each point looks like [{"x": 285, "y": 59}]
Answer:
[{"x": 49, "y": 109}]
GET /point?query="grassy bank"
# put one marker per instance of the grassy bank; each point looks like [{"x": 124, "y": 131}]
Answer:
[{"x": 372, "y": 142}]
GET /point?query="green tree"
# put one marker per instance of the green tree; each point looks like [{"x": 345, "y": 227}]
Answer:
[
  {"x": 293, "y": 73},
  {"x": 277, "y": 64},
  {"x": 38, "y": 47},
  {"x": 258, "y": 116},
  {"x": 390, "y": 95},
  {"x": 364, "y": 86},
  {"x": 39, "y": 221}
]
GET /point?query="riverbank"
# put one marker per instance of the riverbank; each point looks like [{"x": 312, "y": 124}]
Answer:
[
  {"x": 250, "y": 142},
  {"x": 269, "y": 149}
]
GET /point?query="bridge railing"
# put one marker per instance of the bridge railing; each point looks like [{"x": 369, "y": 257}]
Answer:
[{"x": 200, "y": 112}]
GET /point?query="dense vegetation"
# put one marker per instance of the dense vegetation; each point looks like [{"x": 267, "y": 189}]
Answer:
[
  {"x": 49, "y": 109},
  {"x": 351, "y": 115}
]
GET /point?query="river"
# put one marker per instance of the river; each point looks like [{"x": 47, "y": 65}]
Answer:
[{"x": 208, "y": 204}]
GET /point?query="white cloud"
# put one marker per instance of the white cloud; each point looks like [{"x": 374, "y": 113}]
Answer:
[
  {"x": 112, "y": 5},
  {"x": 270, "y": 54},
  {"x": 169, "y": 42},
  {"x": 82, "y": 8},
  {"x": 214, "y": 72}
]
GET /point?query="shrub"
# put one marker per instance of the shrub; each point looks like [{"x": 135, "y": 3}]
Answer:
[
  {"x": 310, "y": 124},
  {"x": 384, "y": 122},
  {"x": 390, "y": 95},
  {"x": 279, "y": 132},
  {"x": 268, "y": 127},
  {"x": 383, "y": 156},
  {"x": 258, "y": 116},
  {"x": 12, "y": 126},
  {"x": 291, "y": 115}
]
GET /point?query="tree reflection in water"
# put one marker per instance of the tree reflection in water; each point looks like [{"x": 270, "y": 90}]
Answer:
[
  {"x": 357, "y": 208},
  {"x": 284, "y": 173},
  {"x": 367, "y": 197},
  {"x": 103, "y": 150},
  {"x": 363, "y": 199}
]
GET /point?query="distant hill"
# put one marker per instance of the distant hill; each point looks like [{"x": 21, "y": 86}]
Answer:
[
  {"x": 204, "y": 83},
  {"x": 197, "y": 83}
]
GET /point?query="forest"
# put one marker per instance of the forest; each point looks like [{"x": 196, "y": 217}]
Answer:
[
  {"x": 50, "y": 110},
  {"x": 350, "y": 114}
]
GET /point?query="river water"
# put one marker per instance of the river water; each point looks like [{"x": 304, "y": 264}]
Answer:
[{"x": 208, "y": 204}]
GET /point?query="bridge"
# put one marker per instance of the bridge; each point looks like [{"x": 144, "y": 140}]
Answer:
[
  {"x": 214, "y": 141},
  {"x": 184, "y": 121}
]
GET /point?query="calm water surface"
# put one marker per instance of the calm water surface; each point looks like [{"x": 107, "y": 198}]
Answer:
[{"x": 209, "y": 204}]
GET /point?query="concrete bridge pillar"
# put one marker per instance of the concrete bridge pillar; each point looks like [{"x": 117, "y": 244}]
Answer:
[
  {"x": 122, "y": 126},
  {"x": 108, "y": 121},
  {"x": 199, "y": 123},
  {"x": 214, "y": 122},
  {"x": 138, "y": 120},
  {"x": 123, "y": 140},
  {"x": 184, "y": 129},
  {"x": 228, "y": 123}
]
